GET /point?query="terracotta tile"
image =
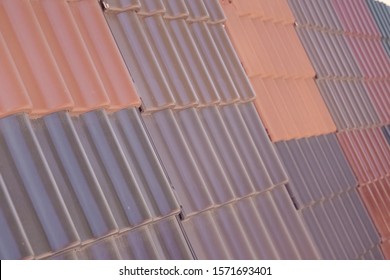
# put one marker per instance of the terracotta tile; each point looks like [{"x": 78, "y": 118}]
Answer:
[
  {"x": 105, "y": 54},
  {"x": 33, "y": 57},
  {"x": 237, "y": 29},
  {"x": 291, "y": 108},
  {"x": 368, "y": 153},
  {"x": 13, "y": 96},
  {"x": 372, "y": 205},
  {"x": 72, "y": 56}
]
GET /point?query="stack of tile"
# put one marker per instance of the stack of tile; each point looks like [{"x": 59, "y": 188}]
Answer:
[
  {"x": 79, "y": 176},
  {"x": 353, "y": 76},
  {"x": 197, "y": 106},
  {"x": 321, "y": 183}
]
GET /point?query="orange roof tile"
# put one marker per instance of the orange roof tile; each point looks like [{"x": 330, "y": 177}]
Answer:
[
  {"x": 33, "y": 57},
  {"x": 13, "y": 95},
  {"x": 102, "y": 48},
  {"x": 291, "y": 108}
]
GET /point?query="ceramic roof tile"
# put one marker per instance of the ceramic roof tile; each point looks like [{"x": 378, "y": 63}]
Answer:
[
  {"x": 184, "y": 43},
  {"x": 264, "y": 146},
  {"x": 72, "y": 56},
  {"x": 281, "y": 229},
  {"x": 228, "y": 54},
  {"x": 161, "y": 240},
  {"x": 15, "y": 244},
  {"x": 237, "y": 163},
  {"x": 74, "y": 176},
  {"x": 208, "y": 48},
  {"x": 309, "y": 115},
  {"x": 267, "y": 40},
  {"x": 352, "y": 14},
  {"x": 380, "y": 13},
  {"x": 349, "y": 103},
  {"x": 175, "y": 9},
  {"x": 316, "y": 167},
  {"x": 376, "y": 197},
  {"x": 74, "y": 63},
  {"x": 144, "y": 162},
  {"x": 104, "y": 53},
  {"x": 341, "y": 227},
  {"x": 32, "y": 189},
  {"x": 368, "y": 153},
  {"x": 128, "y": 195},
  {"x": 141, "y": 61},
  {"x": 377, "y": 91},
  {"x": 33, "y": 58},
  {"x": 189, "y": 54},
  {"x": 13, "y": 96}
]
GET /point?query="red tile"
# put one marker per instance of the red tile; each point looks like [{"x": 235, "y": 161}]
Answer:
[{"x": 369, "y": 198}]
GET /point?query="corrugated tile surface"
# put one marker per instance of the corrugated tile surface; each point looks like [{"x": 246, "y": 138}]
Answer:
[
  {"x": 348, "y": 57},
  {"x": 161, "y": 240},
  {"x": 131, "y": 129},
  {"x": 287, "y": 98},
  {"x": 346, "y": 42},
  {"x": 264, "y": 226},
  {"x": 323, "y": 188},
  {"x": 210, "y": 153},
  {"x": 77, "y": 178}
]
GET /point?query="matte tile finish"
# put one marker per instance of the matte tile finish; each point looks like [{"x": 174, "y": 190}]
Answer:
[
  {"x": 13, "y": 240},
  {"x": 32, "y": 189},
  {"x": 316, "y": 167},
  {"x": 256, "y": 227},
  {"x": 13, "y": 97},
  {"x": 368, "y": 153},
  {"x": 74, "y": 176}
]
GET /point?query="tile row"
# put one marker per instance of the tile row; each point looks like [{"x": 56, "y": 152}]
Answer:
[
  {"x": 355, "y": 103},
  {"x": 72, "y": 180},
  {"x": 316, "y": 168},
  {"x": 263, "y": 226},
  {"x": 162, "y": 240},
  {"x": 262, "y": 45},
  {"x": 178, "y": 53},
  {"x": 291, "y": 108},
  {"x": 341, "y": 227},
  {"x": 368, "y": 153},
  {"x": 60, "y": 55},
  {"x": 214, "y": 155},
  {"x": 338, "y": 54},
  {"x": 287, "y": 98},
  {"x": 376, "y": 196},
  {"x": 345, "y": 15}
]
